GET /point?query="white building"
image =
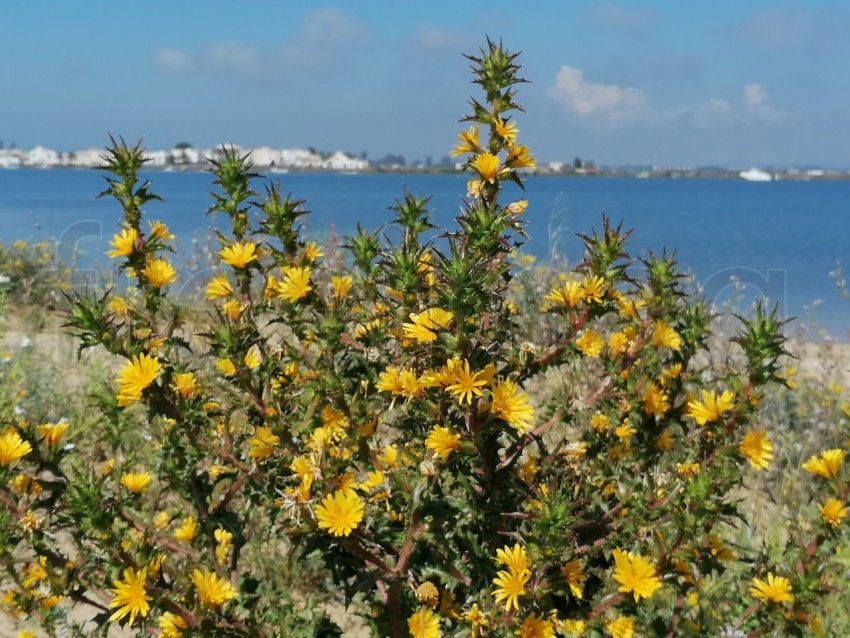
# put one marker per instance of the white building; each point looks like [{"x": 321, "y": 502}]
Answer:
[
  {"x": 339, "y": 161},
  {"x": 87, "y": 157},
  {"x": 156, "y": 158},
  {"x": 41, "y": 156}
]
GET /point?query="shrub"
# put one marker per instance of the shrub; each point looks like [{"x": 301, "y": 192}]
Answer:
[{"x": 394, "y": 429}]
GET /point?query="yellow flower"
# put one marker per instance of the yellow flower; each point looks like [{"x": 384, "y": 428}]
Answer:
[
  {"x": 425, "y": 322},
  {"x": 295, "y": 284},
  {"x": 510, "y": 586},
  {"x": 185, "y": 384},
  {"x": 224, "y": 540},
  {"x": 123, "y": 243},
  {"x": 568, "y": 294},
  {"x": 664, "y": 442},
  {"x": 514, "y": 558},
  {"x": 12, "y": 447},
  {"x": 427, "y": 593},
  {"x": 687, "y": 470},
  {"x": 161, "y": 520},
  {"x": 665, "y": 337},
  {"x": 635, "y": 574},
  {"x": 466, "y": 384},
  {"x": 517, "y": 208},
  {"x": 340, "y": 286},
  {"x": 593, "y": 289},
  {"x": 226, "y": 367},
  {"x": 442, "y": 442},
  {"x": 119, "y": 307},
  {"x": 186, "y": 530},
  {"x": 170, "y": 625},
  {"x": 574, "y": 576},
  {"x": 590, "y": 343},
  {"x": 219, "y": 287},
  {"x": 756, "y": 449},
  {"x": 655, "y": 400},
  {"x": 136, "y": 482},
  {"x": 573, "y": 627},
  {"x": 476, "y": 618},
  {"x": 312, "y": 252},
  {"x": 506, "y": 130},
  {"x": 239, "y": 254},
  {"x": 712, "y": 406},
  {"x": 487, "y": 166},
  {"x": 262, "y": 444},
  {"x": 22, "y": 484},
  {"x": 468, "y": 142},
  {"x": 512, "y": 405},
  {"x": 833, "y": 512},
  {"x": 212, "y": 590},
  {"x": 535, "y": 626},
  {"x": 519, "y": 157},
  {"x": 827, "y": 465},
  {"x": 252, "y": 359},
  {"x": 621, "y": 627},
  {"x": 130, "y": 596},
  {"x": 136, "y": 375},
  {"x": 158, "y": 230},
  {"x": 159, "y": 273},
  {"x": 49, "y": 602},
  {"x": 340, "y": 513},
  {"x": 776, "y": 589},
  {"x": 424, "y": 623}
]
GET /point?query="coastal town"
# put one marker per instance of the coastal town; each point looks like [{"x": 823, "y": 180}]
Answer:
[{"x": 185, "y": 157}]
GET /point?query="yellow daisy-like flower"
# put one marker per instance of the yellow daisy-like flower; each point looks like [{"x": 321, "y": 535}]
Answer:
[
  {"x": 573, "y": 627},
  {"x": 424, "y": 623},
  {"x": 219, "y": 287},
  {"x": 468, "y": 142},
  {"x": 119, "y": 307},
  {"x": 136, "y": 375},
  {"x": 826, "y": 465},
  {"x": 518, "y": 207},
  {"x": 52, "y": 432},
  {"x": 473, "y": 188},
  {"x": 427, "y": 592},
  {"x": 262, "y": 444},
  {"x": 340, "y": 513},
  {"x": 252, "y": 359},
  {"x": 621, "y": 627},
  {"x": 136, "y": 482},
  {"x": 239, "y": 254},
  {"x": 590, "y": 343},
  {"x": 711, "y": 408},
  {"x": 340, "y": 286},
  {"x": 21, "y": 485},
  {"x": 226, "y": 367},
  {"x": 476, "y": 618},
  {"x": 213, "y": 590},
  {"x": 756, "y": 449},
  {"x": 185, "y": 384},
  {"x": 123, "y": 243},
  {"x": 574, "y": 576},
  {"x": 833, "y": 512},
  {"x": 131, "y": 598},
  {"x": 775, "y": 589},
  {"x": 442, "y": 442},
  {"x": 159, "y": 231},
  {"x": 466, "y": 383},
  {"x": 635, "y": 574},
  {"x": 424, "y": 323},
  {"x": 535, "y": 626},
  {"x": 655, "y": 400},
  {"x": 506, "y": 130},
  {"x": 567, "y": 295},
  {"x": 687, "y": 470},
  {"x": 295, "y": 284},
  {"x": 593, "y": 289},
  {"x": 512, "y": 405},
  {"x": 186, "y": 530},
  {"x": 520, "y": 157},
  {"x": 514, "y": 558},
  {"x": 159, "y": 273},
  {"x": 487, "y": 166},
  {"x": 665, "y": 337},
  {"x": 170, "y": 625},
  {"x": 510, "y": 586},
  {"x": 312, "y": 251}
]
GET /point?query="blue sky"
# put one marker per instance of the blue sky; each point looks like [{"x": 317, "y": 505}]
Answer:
[{"x": 673, "y": 83}]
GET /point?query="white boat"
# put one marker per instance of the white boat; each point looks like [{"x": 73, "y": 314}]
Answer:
[{"x": 756, "y": 175}]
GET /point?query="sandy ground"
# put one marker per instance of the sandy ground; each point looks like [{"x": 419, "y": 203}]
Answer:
[{"x": 827, "y": 360}]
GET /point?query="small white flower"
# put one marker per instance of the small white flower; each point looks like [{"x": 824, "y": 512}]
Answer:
[
  {"x": 18, "y": 410},
  {"x": 5, "y": 279},
  {"x": 25, "y": 342}
]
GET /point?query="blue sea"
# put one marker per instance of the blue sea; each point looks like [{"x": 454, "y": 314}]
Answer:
[{"x": 781, "y": 240}]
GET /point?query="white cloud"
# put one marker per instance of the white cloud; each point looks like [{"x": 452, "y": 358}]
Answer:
[
  {"x": 757, "y": 105},
  {"x": 233, "y": 57},
  {"x": 612, "y": 105},
  {"x": 605, "y": 102},
  {"x": 172, "y": 61},
  {"x": 327, "y": 34}
]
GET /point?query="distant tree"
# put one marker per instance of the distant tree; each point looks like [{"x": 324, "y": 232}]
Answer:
[
  {"x": 364, "y": 155},
  {"x": 428, "y": 162},
  {"x": 182, "y": 146},
  {"x": 577, "y": 163}
]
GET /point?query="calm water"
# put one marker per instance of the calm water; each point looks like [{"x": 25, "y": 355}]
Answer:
[{"x": 782, "y": 238}]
